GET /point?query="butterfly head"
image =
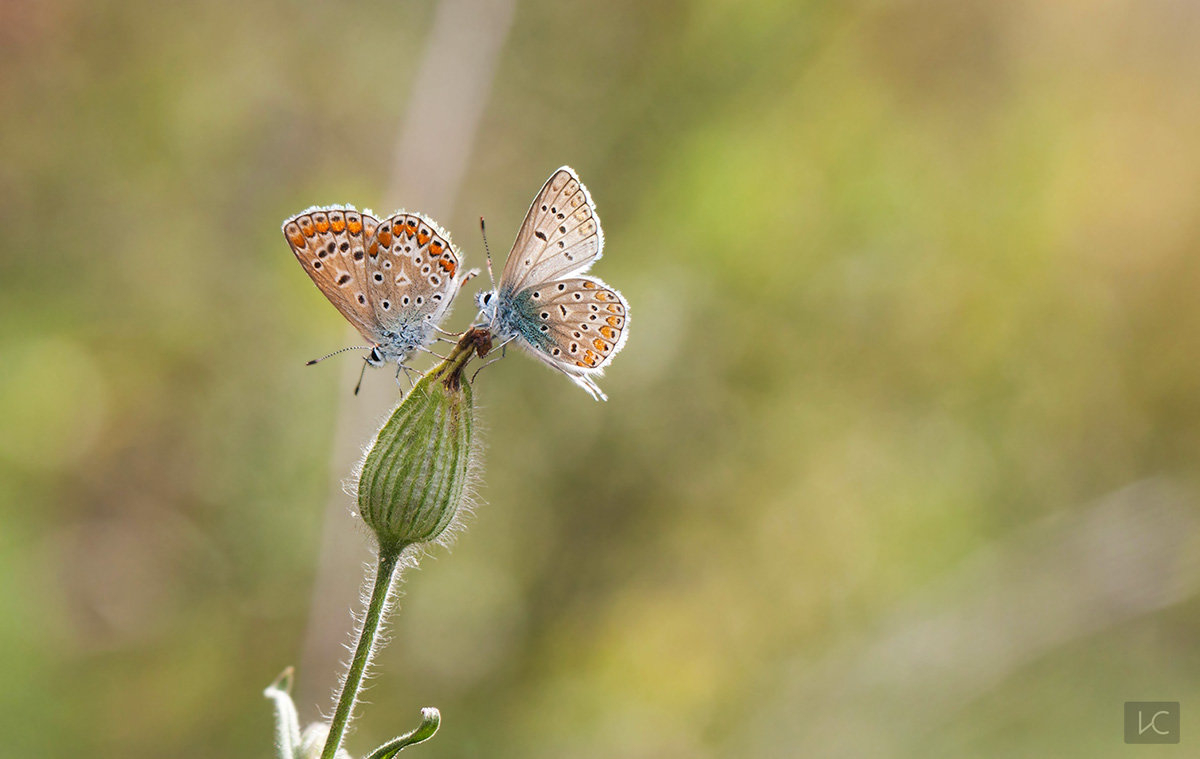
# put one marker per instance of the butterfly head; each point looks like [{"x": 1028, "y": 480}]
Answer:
[
  {"x": 486, "y": 302},
  {"x": 375, "y": 357}
]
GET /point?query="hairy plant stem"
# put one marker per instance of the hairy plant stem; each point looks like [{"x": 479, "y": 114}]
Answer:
[{"x": 389, "y": 560}]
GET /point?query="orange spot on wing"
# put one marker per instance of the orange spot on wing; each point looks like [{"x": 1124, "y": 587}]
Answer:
[
  {"x": 296, "y": 239},
  {"x": 608, "y": 332},
  {"x": 614, "y": 320},
  {"x": 322, "y": 225},
  {"x": 385, "y": 238},
  {"x": 447, "y": 265},
  {"x": 589, "y": 284},
  {"x": 436, "y": 248},
  {"x": 614, "y": 309},
  {"x": 422, "y": 239},
  {"x": 373, "y": 250},
  {"x": 411, "y": 227},
  {"x": 580, "y": 363},
  {"x": 600, "y": 344},
  {"x": 354, "y": 226},
  {"x": 337, "y": 225},
  {"x": 307, "y": 228},
  {"x": 602, "y": 295}
]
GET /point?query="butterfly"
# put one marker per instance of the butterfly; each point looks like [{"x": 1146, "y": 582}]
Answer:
[
  {"x": 392, "y": 279},
  {"x": 574, "y": 323}
]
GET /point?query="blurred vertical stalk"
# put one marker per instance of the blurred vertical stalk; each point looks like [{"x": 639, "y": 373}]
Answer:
[{"x": 454, "y": 77}]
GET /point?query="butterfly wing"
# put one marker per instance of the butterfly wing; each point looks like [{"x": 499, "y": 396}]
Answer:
[
  {"x": 330, "y": 244},
  {"x": 575, "y": 325},
  {"x": 412, "y": 273},
  {"x": 560, "y": 236}
]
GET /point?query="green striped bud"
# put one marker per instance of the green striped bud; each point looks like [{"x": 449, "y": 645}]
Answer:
[{"x": 414, "y": 476}]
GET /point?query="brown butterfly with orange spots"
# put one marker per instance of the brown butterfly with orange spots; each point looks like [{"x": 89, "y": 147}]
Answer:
[{"x": 393, "y": 280}]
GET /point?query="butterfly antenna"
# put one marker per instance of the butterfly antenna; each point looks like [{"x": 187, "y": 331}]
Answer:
[
  {"x": 360, "y": 377},
  {"x": 342, "y": 350},
  {"x": 488, "y": 251}
]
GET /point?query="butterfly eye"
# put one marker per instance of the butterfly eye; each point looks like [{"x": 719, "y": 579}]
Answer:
[{"x": 487, "y": 299}]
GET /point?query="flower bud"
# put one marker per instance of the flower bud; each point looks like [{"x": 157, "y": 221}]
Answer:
[
  {"x": 414, "y": 476},
  {"x": 312, "y": 742}
]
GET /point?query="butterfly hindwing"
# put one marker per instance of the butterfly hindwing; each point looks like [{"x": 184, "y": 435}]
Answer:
[
  {"x": 576, "y": 325},
  {"x": 412, "y": 272}
]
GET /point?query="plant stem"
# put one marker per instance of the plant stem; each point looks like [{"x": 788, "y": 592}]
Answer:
[{"x": 389, "y": 559}]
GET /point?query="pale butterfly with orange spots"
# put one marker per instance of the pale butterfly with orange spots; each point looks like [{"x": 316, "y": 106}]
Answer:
[
  {"x": 393, "y": 280},
  {"x": 572, "y": 322}
]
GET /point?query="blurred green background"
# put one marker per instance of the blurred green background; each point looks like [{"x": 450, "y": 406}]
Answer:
[{"x": 900, "y": 458}]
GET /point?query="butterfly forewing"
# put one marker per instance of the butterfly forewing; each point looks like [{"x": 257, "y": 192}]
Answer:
[
  {"x": 577, "y": 324},
  {"x": 560, "y": 237},
  {"x": 330, "y": 245},
  {"x": 411, "y": 270}
]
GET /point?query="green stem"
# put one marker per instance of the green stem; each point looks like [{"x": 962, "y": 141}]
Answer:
[{"x": 389, "y": 559}]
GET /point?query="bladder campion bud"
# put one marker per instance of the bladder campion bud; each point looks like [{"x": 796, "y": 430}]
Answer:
[
  {"x": 414, "y": 476},
  {"x": 312, "y": 740}
]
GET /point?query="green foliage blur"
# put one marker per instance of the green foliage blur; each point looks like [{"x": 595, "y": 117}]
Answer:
[{"x": 901, "y": 454}]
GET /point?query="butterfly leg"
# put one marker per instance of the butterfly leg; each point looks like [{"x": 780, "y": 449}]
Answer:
[
  {"x": 503, "y": 348},
  {"x": 399, "y": 383},
  {"x": 446, "y": 336},
  {"x": 409, "y": 372},
  {"x": 484, "y": 366},
  {"x": 435, "y": 355}
]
